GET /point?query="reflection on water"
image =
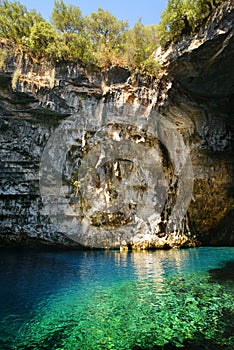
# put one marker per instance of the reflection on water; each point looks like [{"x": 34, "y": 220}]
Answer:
[
  {"x": 151, "y": 264},
  {"x": 116, "y": 300}
]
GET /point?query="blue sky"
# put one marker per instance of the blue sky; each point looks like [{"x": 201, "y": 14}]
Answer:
[{"x": 131, "y": 10}]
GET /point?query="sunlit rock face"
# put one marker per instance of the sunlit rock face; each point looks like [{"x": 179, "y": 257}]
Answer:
[{"x": 109, "y": 160}]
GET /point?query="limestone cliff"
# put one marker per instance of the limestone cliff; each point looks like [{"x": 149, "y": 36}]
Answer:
[{"x": 144, "y": 148}]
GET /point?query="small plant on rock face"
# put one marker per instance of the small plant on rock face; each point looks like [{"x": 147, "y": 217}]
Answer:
[
  {"x": 15, "y": 78},
  {"x": 150, "y": 66},
  {"x": 3, "y": 59},
  {"x": 52, "y": 78}
]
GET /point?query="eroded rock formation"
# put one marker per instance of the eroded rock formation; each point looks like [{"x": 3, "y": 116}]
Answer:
[{"x": 124, "y": 154}]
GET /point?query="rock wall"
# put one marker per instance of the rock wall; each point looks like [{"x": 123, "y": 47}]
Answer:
[
  {"x": 202, "y": 72},
  {"x": 123, "y": 160}
]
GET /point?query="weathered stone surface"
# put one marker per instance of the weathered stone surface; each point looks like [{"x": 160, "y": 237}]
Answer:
[
  {"x": 187, "y": 111},
  {"x": 201, "y": 100}
]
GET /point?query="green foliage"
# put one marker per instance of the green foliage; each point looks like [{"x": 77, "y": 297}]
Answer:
[
  {"x": 104, "y": 28},
  {"x": 43, "y": 38},
  {"x": 16, "y": 21},
  {"x": 183, "y": 17},
  {"x": 139, "y": 44},
  {"x": 79, "y": 46},
  {"x": 150, "y": 66},
  {"x": 99, "y": 38},
  {"x": 106, "y": 34},
  {"x": 135, "y": 45},
  {"x": 67, "y": 18}
]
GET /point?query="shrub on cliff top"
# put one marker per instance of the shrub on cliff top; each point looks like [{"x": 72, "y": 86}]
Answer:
[
  {"x": 139, "y": 44},
  {"x": 100, "y": 38},
  {"x": 16, "y": 21},
  {"x": 183, "y": 17}
]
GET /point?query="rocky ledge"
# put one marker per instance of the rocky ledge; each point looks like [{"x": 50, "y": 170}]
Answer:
[{"x": 124, "y": 161}]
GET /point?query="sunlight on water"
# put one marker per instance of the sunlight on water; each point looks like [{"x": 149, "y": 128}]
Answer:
[{"x": 112, "y": 300}]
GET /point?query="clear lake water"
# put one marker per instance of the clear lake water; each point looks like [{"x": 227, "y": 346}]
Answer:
[{"x": 90, "y": 300}]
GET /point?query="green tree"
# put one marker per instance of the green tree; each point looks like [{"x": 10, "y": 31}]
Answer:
[
  {"x": 140, "y": 42},
  {"x": 173, "y": 21},
  {"x": 44, "y": 39},
  {"x": 16, "y": 21},
  {"x": 201, "y": 9},
  {"x": 135, "y": 45},
  {"x": 183, "y": 17},
  {"x": 106, "y": 34},
  {"x": 99, "y": 38},
  {"x": 67, "y": 18},
  {"x": 79, "y": 47}
]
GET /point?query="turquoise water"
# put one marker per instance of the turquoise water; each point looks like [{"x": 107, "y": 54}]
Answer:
[{"x": 117, "y": 300}]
